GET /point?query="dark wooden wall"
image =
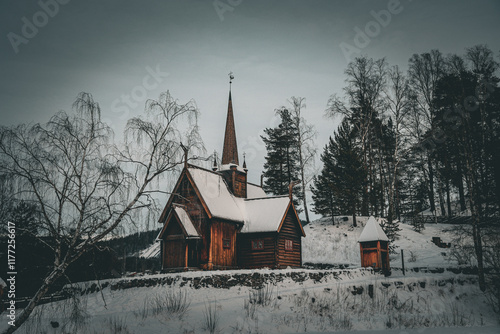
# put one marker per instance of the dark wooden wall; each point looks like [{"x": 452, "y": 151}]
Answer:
[
  {"x": 375, "y": 252},
  {"x": 223, "y": 257},
  {"x": 291, "y": 231},
  {"x": 174, "y": 253},
  {"x": 248, "y": 258},
  {"x": 236, "y": 182},
  {"x": 174, "y": 248},
  {"x": 189, "y": 198},
  {"x": 240, "y": 185}
]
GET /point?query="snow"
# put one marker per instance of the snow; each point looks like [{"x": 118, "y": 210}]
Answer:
[
  {"x": 372, "y": 232},
  {"x": 228, "y": 167},
  {"x": 303, "y": 305},
  {"x": 215, "y": 193},
  {"x": 338, "y": 244},
  {"x": 254, "y": 191},
  {"x": 152, "y": 251},
  {"x": 186, "y": 222},
  {"x": 418, "y": 302},
  {"x": 264, "y": 215}
]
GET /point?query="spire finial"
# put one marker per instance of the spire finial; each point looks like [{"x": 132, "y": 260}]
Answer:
[
  {"x": 230, "y": 149},
  {"x": 214, "y": 167}
]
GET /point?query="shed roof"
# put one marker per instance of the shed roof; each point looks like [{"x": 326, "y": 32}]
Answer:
[
  {"x": 372, "y": 231},
  {"x": 186, "y": 222},
  {"x": 254, "y": 191},
  {"x": 264, "y": 214}
]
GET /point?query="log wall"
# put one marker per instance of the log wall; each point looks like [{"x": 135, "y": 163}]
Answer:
[
  {"x": 248, "y": 258},
  {"x": 223, "y": 257},
  {"x": 290, "y": 230}
]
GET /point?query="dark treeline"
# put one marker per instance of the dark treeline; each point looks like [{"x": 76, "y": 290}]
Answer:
[
  {"x": 424, "y": 140},
  {"x": 33, "y": 254},
  {"x": 427, "y": 139}
]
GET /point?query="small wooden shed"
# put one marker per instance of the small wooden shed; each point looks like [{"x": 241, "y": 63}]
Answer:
[{"x": 374, "y": 246}]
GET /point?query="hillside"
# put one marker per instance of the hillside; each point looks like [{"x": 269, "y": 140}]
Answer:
[
  {"x": 337, "y": 244},
  {"x": 284, "y": 301}
]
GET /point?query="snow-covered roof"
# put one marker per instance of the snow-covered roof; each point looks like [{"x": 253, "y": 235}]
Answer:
[
  {"x": 257, "y": 212},
  {"x": 254, "y": 191},
  {"x": 372, "y": 232},
  {"x": 186, "y": 222},
  {"x": 152, "y": 251},
  {"x": 219, "y": 200},
  {"x": 228, "y": 167},
  {"x": 264, "y": 214}
]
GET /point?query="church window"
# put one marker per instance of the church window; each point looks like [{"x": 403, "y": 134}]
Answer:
[{"x": 257, "y": 244}]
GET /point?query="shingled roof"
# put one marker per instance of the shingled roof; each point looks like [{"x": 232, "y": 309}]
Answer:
[
  {"x": 230, "y": 149},
  {"x": 257, "y": 212}
]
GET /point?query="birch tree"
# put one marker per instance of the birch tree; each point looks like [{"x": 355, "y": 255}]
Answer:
[
  {"x": 86, "y": 186},
  {"x": 398, "y": 98},
  {"x": 362, "y": 106},
  {"x": 425, "y": 70},
  {"x": 305, "y": 146}
]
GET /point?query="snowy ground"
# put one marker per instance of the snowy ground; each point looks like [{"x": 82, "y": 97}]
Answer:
[
  {"x": 337, "y": 244},
  {"x": 300, "y": 301}
]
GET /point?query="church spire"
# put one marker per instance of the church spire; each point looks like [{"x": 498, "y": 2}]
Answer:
[{"x": 230, "y": 150}]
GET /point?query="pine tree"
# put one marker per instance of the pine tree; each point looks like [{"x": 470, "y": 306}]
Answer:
[
  {"x": 322, "y": 190},
  {"x": 282, "y": 162},
  {"x": 343, "y": 174}
]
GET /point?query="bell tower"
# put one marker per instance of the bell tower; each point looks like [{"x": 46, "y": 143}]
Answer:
[{"x": 235, "y": 176}]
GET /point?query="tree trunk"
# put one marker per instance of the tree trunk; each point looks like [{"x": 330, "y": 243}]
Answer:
[
  {"x": 475, "y": 207},
  {"x": 365, "y": 197},
  {"x": 431, "y": 184},
  {"x": 478, "y": 247},
  {"x": 302, "y": 175},
  {"x": 448, "y": 197},
  {"x": 461, "y": 193},
  {"x": 441, "y": 199},
  {"x": 49, "y": 280}
]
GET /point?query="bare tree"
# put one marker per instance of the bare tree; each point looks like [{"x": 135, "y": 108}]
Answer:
[
  {"x": 366, "y": 79},
  {"x": 305, "y": 145},
  {"x": 398, "y": 98},
  {"x": 86, "y": 186},
  {"x": 425, "y": 71}
]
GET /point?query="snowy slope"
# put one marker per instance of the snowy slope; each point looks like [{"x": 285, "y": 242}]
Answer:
[
  {"x": 291, "y": 300},
  {"x": 301, "y": 301},
  {"x": 338, "y": 244}
]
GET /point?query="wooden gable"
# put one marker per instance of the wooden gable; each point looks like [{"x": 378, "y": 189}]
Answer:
[
  {"x": 289, "y": 240},
  {"x": 186, "y": 193},
  {"x": 292, "y": 215},
  {"x": 179, "y": 224},
  {"x": 278, "y": 249}
]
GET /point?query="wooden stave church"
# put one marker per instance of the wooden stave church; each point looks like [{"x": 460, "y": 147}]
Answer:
[{"x": 215, "y": 219}]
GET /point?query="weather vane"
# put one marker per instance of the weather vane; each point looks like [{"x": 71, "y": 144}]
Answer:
[{"x": 231, "y": 77}]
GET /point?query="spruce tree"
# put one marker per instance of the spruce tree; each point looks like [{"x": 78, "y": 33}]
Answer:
[
  {"x": 282, "y": 163},
  {"x": 343, "y": 174},
  {"x": 322, "y": 190}
]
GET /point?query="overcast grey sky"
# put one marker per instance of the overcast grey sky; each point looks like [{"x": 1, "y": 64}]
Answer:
[{"x": 276, "y": 49}]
